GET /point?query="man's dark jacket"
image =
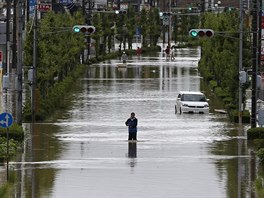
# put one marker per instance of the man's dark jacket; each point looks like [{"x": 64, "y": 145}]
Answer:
[{"x": 132, "y": 125}]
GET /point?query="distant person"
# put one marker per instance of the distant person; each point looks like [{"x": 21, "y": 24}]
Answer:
[
  {"x": 124, "y": 57},
  {"x": 132, "y": 127},
  {"x": 138, "y": 51},
  {"x": 172, "y": 53},
  {"x": 167, "y": 52}
]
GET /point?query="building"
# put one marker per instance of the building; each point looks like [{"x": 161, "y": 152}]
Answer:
[
  {"x": 207, "y": 4},
  {"x": 166, "y": 5}
]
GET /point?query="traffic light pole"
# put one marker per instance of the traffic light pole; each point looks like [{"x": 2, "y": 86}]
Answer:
[
  {"x": 88, "y": 22},
  {"x": 19, "y": 64},
  {"x": 8, "y": 13},
  {"x": 169, "y": 31},
  {"x": 240, "y": 108},
  {"x": 254, "y": 61},
  {"x": 34, "y": 83}
]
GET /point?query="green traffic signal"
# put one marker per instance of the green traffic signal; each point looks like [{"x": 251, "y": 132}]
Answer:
[
  {"x": 83, "y": 29},
  {"x": 76, "y": 29},
  {"x": 193, "y": 33},
  {"x": 201, "y": 33}
]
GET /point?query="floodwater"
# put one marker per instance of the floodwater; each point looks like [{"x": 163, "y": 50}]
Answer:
[{"x": 86, "y": 152}]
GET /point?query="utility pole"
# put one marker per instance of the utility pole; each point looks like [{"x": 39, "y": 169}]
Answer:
[
  {"x": 34, "y": 83},
  {"x": 14, "y": 44},
  {"x": 8, "y": 7},
  {"x": 254, "y": 60},
  {"x": 169, "y": 31},
  {"x": 19, "y": 64},
  {"x": 88, "y": 22},
  {"x": 241, "y": 17}
]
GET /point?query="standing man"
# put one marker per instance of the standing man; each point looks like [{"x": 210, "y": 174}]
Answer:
[{"x": 132, "y": 127}]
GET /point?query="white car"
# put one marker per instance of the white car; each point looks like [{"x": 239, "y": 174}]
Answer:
[{"x": 191, "y": 102}]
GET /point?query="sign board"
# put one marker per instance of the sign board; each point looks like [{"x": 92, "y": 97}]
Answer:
[
  {"x": 138, "y": 31},
  {"x": 166, "y": 20},
  {"x": 32, "y": 4},
  {"x": 44, "y": 7},
  {"x": 6, "y": 120},
  {"x": 123, "y": 6},
  {"x": 65, "y": 1},
  {"x": 261, "y": 117}
]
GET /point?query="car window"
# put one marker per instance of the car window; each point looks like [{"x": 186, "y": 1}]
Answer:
[{"x": 193, "y": 97}]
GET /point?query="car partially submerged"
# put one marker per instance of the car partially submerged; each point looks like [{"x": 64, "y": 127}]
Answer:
[{"x": 191, "y": 102}]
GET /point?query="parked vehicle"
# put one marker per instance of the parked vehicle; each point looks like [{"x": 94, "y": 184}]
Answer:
[{"x": 191, "y": 102}]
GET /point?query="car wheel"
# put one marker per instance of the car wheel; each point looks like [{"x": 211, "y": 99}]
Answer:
[{"x": 175, "y": 109}]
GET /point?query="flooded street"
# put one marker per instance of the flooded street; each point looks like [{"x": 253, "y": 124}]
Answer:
[{"x": 86, "y": 152}]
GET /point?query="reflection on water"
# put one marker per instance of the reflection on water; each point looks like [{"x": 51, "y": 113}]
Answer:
[
  {"x": 86, "y": 153},
  {"x": 132, "y": 153}
]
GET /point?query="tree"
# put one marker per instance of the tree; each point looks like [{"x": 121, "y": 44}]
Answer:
[
  {"x": 131, "y": 25},
  {"x": 220, "y": 54},
  {"x": 144, "y": 27},
  {"x": 56, "y": 58},
  {"x": 97, "y": 21},
  {"x": 154, "y": 26}
]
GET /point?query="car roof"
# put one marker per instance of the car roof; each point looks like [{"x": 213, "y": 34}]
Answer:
[{"x": 191, "y": 92}]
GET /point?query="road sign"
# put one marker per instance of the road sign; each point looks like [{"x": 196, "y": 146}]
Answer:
[
  {"x": 166, "y": 20},
  {"x": 6, "y": 120},
  {"x": 65, "y": 1},
  {"x": 261, "y": 117},
  {"x": 44, "y": 7}
]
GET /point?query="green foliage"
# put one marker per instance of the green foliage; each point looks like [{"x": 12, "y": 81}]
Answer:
[
  {"x": 7, "y": 189},
  {"x": 212, "y": 84},
  {"x": 15, "y": 132},
  {"x": 220, "y": 55},
  {"x": 259, "y": 187},
  {"x": 58, "y": 50},
  {"x": 233, "y": 114},
  {"x": 13, "y": 145},
  {"x": 255, "y": 133},
  {"x": 260, "y": 155},
  {"x": 258, "y": 143}
]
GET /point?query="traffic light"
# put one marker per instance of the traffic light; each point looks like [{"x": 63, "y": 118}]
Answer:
[
  {"x": 201, "y": 33},
  {"x": 120, "y": 11},
  {"x": 166, "y": 13},
  {"x": 83, "y": 29}
]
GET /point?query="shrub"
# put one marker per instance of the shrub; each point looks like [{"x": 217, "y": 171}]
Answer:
[
  {"x": 227, "y": 100},
  {"x": 259, "y": 187},
  {"x": 260, "y": 155},
  {"x": 255, "y": 133},
  {"x": 258, "y": 143},
  {"x": 233, "y": 114},
  {"x": 213, "y": 84},
  {"x": 15, "y": 132}
]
